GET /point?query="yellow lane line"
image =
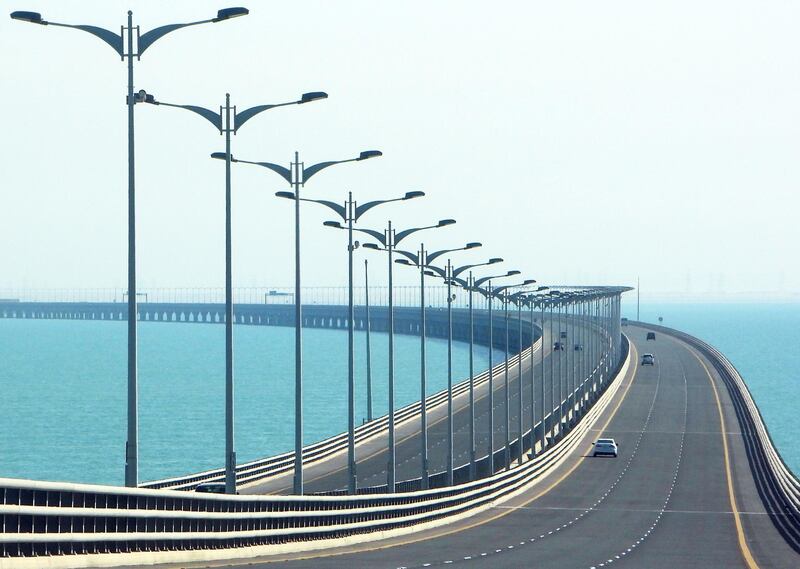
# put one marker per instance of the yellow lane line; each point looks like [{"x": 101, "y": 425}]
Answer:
[
  {"x": 504, "y": 512},
  {"x": 745, "y": 549}
]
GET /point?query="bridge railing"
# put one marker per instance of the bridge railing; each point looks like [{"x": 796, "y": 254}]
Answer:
[
  {"x": 404, "y": 296},
  {"x": 68, "y": 522}
]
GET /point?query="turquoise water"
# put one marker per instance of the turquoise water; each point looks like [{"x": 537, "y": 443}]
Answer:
[
  {"x": 761, "y": 340},
  {"x": 63, "y": 386}
]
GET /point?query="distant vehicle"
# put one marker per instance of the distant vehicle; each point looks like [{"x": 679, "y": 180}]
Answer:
[
  {"x": 651, "y": 336},
  {"x": 211, "y": 488},
  {"x": 578, "y": 347},
  {"x": 558, "y": 346},
  {"x": 648, "y": 360},
  {"x": 605, "y": 447},
  {"x": 563, "y": 333},
  {"x": 624, "y": 321}
]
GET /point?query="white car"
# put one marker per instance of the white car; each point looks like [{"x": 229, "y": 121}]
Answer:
[{"x": 607, "y": 447}]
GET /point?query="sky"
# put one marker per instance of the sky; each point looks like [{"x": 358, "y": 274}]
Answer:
[{"x": 583, "y": 142}]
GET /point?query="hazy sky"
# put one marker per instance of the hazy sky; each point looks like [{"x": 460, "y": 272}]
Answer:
[{"x": 585, "y": 142}]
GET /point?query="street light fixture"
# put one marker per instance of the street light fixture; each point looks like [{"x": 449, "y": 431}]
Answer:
[
  {"x": 297, "y": 175},
  {"x": 389, "y": 239},
  {"x": 350, "y": 212},
  {"x": 450, "y": 276},
  {"x": 117, "y": 43},
  {"x": 500, "y": 293},
  {"x": 228, "y": 121},
  {"x": 423, "y": 260},
  {"x": 488, "y": 293}
]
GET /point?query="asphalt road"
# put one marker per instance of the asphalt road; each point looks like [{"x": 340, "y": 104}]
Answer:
[
  {"x": 663, "y": 503},
  {"x": 371, "y": 456}
]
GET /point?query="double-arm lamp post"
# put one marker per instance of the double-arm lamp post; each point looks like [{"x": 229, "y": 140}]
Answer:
[
  {"x": 389, "y": 239},
  {"x": 501, "y": 293},
  {"x": 451, "y": 276},
  {"x": 423, "y": 260},
  {"x": 519, "y": 299},
  {"x": 297, "y": 175},
  {"x": 488, "y": 293},
  {"x": 531, "y": 301},
  {"x": 350, "y": 213},
  {"x": 228, "y": 121},
  {"x": 118, "y": 42}
]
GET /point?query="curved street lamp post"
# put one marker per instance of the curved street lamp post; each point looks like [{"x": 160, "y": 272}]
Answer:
[
  {"x": 422, "y": 260},
  {"x": 118, "y": 42},
  {"x": 488, "y": 292},
  {"x": 228, "y": 121},
  {"x": 500, "y": 292},
  {"x": 389, "y": 239},
  {"x": 350, "y": 213},
  {"x": 297, "y": 175},
  {"x": 450, "y": 276},
  {"x": 468, "y": 284}
]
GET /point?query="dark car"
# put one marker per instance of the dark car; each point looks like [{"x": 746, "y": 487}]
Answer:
[
  {"x": 651, "y": 335},
  {"x": 578, "y": 347},
  {"x": 211, "y": 488},
  {"x": 563, "y": 333},
  {"x": 558, "y": 346},
  {"x": 624, "y": 321}
]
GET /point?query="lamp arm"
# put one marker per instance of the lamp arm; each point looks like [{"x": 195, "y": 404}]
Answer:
[
  {"x": 436, "y": 254},
  {"x": 360, "y": 210},
  {"x": 410, "y": 256},
  {"x": 240, "y": 118},
  {"x": 399, "y": 236},
  {"x": 282, "y": 171},
  {"x": 438, "y": 270},
  {"x": 147, "y": 39},
  {"x": 208, "y": 114},
  {"x": 379, "y": 236},
  {"x": 339, "y": 209},
  {"x": 112, "y": 39},
  {"x": 311, "y": 170}
]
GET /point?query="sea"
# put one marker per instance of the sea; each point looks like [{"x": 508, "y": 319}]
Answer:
[{"x": 63, "y": 386}]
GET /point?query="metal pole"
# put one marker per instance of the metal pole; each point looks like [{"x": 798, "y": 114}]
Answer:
[
  {"x": 351, "y": 399},
  {"x": 132, "y": 446},
  {"x": 542, "y": 403},
  {"x": 560, "y": 377},
  {"x": 491, "y": 382},
  {"x": 423, "y": 373},
  {"x": 552, "y": 377},
  {"x": 390, "y": 474},
  {"x": 230, "y": 453},
  {"x": 298, "y": 338},
  {"x": 519, "y": 375},
  {"x": 507, "y": 390},
  {"x": 449, "y": 274},
  {"x": 533, "y": 386},
  {"x": 570, "y": 361},
  {"x": 471, "y": 283},
  {"x": 369, "y": 351}
]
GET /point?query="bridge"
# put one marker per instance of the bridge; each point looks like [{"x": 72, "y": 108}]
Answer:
[{"x": 697, "y": 482}]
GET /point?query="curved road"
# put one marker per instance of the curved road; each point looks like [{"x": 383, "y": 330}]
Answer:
[{"x": 680, "y": 495}]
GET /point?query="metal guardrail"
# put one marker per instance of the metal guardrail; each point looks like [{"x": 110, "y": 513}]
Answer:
[{"x": 68, "y": 522}]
